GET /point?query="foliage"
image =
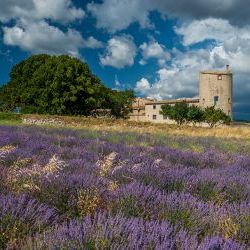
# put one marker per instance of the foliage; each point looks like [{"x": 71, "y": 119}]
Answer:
[
  {"x": 59, "y": 85},
  {"x": 195, "y": 114},
  {"x": 215, "y": 116},
  {"x": 120, "y": 102},
  {"x": 182, "y": 113},
  {"x": 178, "y": 112}
]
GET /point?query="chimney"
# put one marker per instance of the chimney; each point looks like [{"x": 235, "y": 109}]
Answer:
[{"x": 227, "y": 67}]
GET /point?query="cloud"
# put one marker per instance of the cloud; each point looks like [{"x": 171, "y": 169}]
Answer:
[
  {"x": 115, "y": 15},
  {"x": 40, "y": 37},
  {"x": 143, "y": 87},
  {"x": 120, "y": 52},
  {"x": 154, "y": 50},
  {"x": 57, "y": 10},
  {"x": 211, "y": 28},
  {"x": 92, "y": 43},
  {"x": 235, "y": 11},
  {"x": 30, "y": 29},
  {"x": 110, "y": 14},
  {"x": 231, "y": 42},
  {"x": 171, "y": 82}
]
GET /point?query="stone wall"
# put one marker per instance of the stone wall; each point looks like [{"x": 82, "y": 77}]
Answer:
[{"x": 43, "y": 121}]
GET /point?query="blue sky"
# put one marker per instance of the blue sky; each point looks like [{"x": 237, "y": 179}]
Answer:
[{"x": 155, "y": 47}]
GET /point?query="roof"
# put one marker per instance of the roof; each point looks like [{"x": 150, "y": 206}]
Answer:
[
  {"x": 188, "y": 100},
  {"x": 217, "y": 72}
]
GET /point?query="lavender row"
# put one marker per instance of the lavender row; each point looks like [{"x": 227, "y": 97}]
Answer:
[
  {"x": 202, "y": 197},
  {"x": 105, "y": 232}
]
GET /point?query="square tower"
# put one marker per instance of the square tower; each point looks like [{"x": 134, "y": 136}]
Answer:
[{"x": 216, "y": 89}]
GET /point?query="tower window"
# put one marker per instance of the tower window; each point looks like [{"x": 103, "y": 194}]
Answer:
[
  {"x": 154, "y": 106},
  {"x": 154, "y": 117},
  {"x": 219, "y": 77},
  {"x": 165, "y": 117},
  {"x": 216, "y": 99},
  {"x": 229, "y": 100}
]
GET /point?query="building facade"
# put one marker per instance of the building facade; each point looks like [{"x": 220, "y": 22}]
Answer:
[{"x": 215, "y": 89}]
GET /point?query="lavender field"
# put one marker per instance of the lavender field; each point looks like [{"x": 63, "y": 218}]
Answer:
[{"x": 80, "y": 189}]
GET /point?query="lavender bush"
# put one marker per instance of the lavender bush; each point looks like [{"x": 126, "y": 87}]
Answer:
[{"x": 96, "y": 190}]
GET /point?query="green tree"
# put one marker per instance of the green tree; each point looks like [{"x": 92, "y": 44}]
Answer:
[
  {"x": 195, "y": 114},
  {"x": 178, "y": 112},
  {"x": 58, "y": 85},
  {"x": 120, "y": 102},
  {"x": 214, "y": 116}
]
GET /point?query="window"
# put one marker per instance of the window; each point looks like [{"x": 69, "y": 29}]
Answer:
[
  {"x": 219, "y": 77},
  {"x": 229, "y": 100},
  {"x": 216, "y": 100},
  {"x": 165, "y": 117},
  {"x": 154, "y": 106},
  {"x": 154, "y": 117}
]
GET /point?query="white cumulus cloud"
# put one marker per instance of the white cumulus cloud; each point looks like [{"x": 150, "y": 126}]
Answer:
[
  {"x": 26, "y": 24},
  {"x": 216, "y": 29},
  {"x": 115, "y": 15},
  {"x": 57, "y": 10},
  {"x": 120, "y": 52},
  {"x": 92, "y": 43},
  {"x": 40, "y": 37},
  {"x": 154, "y": 50}
]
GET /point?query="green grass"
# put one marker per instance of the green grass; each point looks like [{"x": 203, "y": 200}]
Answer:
[{"x": 10, "y": 119}]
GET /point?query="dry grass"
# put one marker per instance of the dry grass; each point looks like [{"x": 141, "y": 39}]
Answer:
[{"x": 145, "y": 127}]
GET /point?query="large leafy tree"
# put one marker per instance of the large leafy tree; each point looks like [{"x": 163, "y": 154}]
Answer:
[
  {"x": 178, "y": 112},
  {"x": 120, "y": 102},
  {"x": 214, "y": 116},
  {"x": 195, "y": 115},
  {"x": 57, "y": 85}
]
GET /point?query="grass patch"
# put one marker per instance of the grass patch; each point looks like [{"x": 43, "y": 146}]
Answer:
[{"x": 10, "y": 118}]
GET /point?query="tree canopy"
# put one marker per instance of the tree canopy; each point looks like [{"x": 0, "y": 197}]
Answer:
[
  {"x": 214, "y": 116},
  {"x": 60, "y": 85},
  {"x": 182, "y": 113},
  {"x": 178, "y": 112}
]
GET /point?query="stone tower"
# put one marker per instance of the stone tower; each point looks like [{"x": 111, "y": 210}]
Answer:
[{"x": 216, "y": 90}]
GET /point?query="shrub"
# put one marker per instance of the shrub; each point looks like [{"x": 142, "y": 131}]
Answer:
[{"x": 214, "y": 116}]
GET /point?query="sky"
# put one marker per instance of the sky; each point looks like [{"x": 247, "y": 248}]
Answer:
[{"x": 155, "y": 47}]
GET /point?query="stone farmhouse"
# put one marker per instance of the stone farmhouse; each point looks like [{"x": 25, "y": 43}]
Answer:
[{"x": 215, "y": 89}]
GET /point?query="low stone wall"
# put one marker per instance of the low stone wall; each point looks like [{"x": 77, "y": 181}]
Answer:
[
  {"x": 43, "y": 121},
  {"x": 64, "y": 121}
]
